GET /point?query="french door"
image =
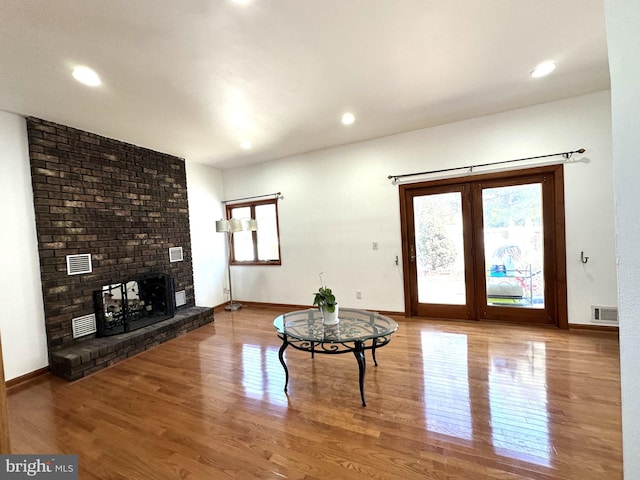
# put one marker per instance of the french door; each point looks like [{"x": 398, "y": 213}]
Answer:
[{"x": 489, "y": 247}]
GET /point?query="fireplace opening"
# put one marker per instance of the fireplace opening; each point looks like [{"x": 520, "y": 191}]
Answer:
[{"x": 132, "y": 304}]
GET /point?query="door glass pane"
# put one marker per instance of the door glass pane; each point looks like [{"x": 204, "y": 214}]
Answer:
[
  {"x": 439, "y": 253},
  {"x": 513, "y": 245}
]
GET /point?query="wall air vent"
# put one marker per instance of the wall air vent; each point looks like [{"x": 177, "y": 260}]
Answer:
[
  {"x": 604, "y": 315},
  {"x": 181, "y": 298},
  {"x": 77, "y": 264},
  {"x": 83, "y": 325},
  {"x": 175, "y": 254}
]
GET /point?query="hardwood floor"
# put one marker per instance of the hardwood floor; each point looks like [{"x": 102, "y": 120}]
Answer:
[{"x": 449, "y": 400}]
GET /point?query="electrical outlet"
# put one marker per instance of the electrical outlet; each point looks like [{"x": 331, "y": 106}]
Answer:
[
  {"x": 375, "y": 245},
  {"x": 358, "y": 294}
]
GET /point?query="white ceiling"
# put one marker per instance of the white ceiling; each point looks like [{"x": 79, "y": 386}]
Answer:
[{"x": 194, "y": 78}]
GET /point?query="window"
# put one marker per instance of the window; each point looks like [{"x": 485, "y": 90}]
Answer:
[{"x": 262, "y": 246}]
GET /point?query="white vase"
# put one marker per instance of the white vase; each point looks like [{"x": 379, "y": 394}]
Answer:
[{"x": 330, "y": 318}]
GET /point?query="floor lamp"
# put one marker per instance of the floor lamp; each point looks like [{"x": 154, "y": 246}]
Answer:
[{"x": 230, "y": 227}]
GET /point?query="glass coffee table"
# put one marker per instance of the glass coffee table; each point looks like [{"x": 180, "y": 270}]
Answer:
[{"x": 357, "y": 331}]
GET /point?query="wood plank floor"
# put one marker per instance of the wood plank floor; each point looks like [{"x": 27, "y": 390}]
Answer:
[{"x": 449, "y": 400}]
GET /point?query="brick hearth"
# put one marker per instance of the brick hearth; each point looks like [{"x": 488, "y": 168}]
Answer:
[{"x": 89, "y": 356}]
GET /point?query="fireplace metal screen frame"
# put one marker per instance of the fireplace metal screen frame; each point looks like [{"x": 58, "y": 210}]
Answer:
[{"x": 122, "y": 307}]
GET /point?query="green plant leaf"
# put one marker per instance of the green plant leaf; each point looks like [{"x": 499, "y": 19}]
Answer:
[{"x": 324, "y": 298}]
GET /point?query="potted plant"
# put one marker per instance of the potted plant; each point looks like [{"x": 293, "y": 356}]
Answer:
[{"x": 326, "y": 302}]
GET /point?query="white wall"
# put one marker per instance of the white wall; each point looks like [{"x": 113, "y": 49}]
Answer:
[
  {"x": 24, "y": 341},
  {"x": 204, "y": 192},
  {"x": 623, "y": 18},
  {"x": 338, "y": 201}
]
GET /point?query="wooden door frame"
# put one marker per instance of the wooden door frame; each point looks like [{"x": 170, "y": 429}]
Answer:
[
  {"x": 5, "y": 444},
  {"x": 559, "y": 287},
  {"x": 466, "y": 311},
  {"x": 488, "y": 312}
]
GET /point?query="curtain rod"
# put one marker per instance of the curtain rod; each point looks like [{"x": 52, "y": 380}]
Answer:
[
  {"x": 277, "y": 194},
  {"x": 566, "y": 155}
]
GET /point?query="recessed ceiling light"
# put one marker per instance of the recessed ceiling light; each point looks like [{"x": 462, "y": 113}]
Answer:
[
  {"x": 246, "y": 145},
  {"x": 348, "y": 118},
  {"x": 87, "y": 76},
  {"x": 545, "y": 68}
]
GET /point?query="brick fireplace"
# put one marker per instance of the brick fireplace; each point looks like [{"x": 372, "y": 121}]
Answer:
[{"x": 121, "y": 205}]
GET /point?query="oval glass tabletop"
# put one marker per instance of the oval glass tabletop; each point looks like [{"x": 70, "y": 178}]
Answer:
[{"x": 354, "y": 325}]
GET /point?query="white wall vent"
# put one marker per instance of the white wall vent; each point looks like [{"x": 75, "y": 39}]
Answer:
[
  {"x": 181, "y": 298},
  {"x": 77, "y": 264},
  {"x": 604, "y": 315},
  {"x": 83, "y": 325},
  {"x": 175, "y": 254}
]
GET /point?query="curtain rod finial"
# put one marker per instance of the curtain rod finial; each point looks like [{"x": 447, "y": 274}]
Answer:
[{"x": 582, "y": 150}]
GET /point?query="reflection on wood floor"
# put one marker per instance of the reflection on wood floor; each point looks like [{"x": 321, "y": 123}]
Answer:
[{"x": 449, "y": 400}]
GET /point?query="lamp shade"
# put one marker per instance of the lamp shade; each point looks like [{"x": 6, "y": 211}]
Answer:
[
  {"x": 236, "y": 225},
  {"x": 223, "y": 226},
  {"x": 252, "y": 225}
]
